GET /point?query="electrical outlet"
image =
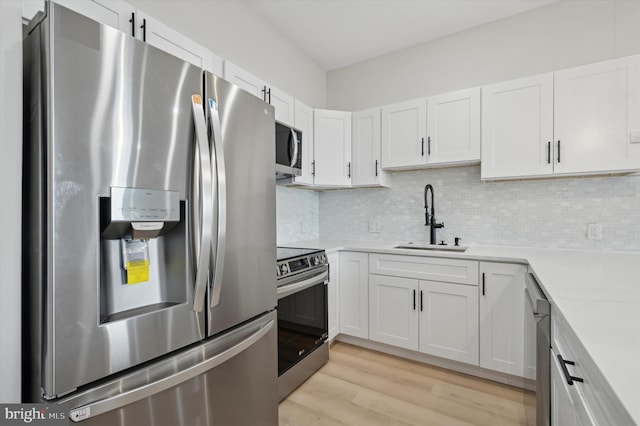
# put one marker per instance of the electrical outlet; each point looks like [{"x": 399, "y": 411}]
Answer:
[
  {"x": 375, "y": 227},
  {"x": 594, "y": 231}
]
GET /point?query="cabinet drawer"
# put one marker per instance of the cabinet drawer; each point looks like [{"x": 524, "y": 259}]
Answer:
[
  {"x": 603, "y": 407},
  {"x": 425, "y": 268}
]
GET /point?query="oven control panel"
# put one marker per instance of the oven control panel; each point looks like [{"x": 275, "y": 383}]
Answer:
[{"x": 299, "y": 264}]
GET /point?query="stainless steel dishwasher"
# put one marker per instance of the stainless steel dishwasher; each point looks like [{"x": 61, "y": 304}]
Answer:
[{"x": 542, "y": 313}]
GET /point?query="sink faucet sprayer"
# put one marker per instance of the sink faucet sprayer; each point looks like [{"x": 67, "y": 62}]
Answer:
[{"x": 430, "y": 219}]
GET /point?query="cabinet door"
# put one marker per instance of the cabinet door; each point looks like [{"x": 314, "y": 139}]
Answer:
[
  {"x": 449, "y": 321},
  {"x": 333, "y": 294},
  {"x": 114, "y": 13},
  {"x": 283, "y": 104},
  {"x": 453, "y": 127},
  {"x": 404, "y": 128},
  {"x": 563, "y": 407},
  {"x": 393, "y": 311},
  {"x": 165, "y": 38},
  {"x": 529, "y": 341},
  {"x": 245, "y": 80},
  {"x": 517, "y": 128},
  {"x": 304, "y": 122},
  {"x": 502, "y": 324},
  {"x": 354, "y": 294},
  {"x": 596, "y": 109},
  {"x": 332, "y": 147},
  {"x": 366, "y": 149}
]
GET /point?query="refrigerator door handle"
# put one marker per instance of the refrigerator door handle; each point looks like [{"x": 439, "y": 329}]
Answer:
[
  {"x": 217, "y": 161},
  {"x": 203, "y": 203},
  {"x": 294, "y": 139},
  {"x": 118, "y": 401}
]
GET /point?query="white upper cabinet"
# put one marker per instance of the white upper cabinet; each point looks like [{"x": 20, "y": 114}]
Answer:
[
  {"x": 134, "y": 22},
  {"x": 404, "y": 128},
  {"x": 453, "y": 127},
  {"x": 332, "y": 147},
  {"x": 597, "y": 111},
  {"x": 578, "y": 121},
  {"x": 165, "y": 38},
  {"x": 439, "y": 130},
  {"x": 283, "y": 103},
  {"x": 245, "y": 80},
  {"x": 517, "y": 128},
  {"x": 367, "y": 169},
  {"x": 304, "y": 122},
  {"x": 114, "y": 13}
]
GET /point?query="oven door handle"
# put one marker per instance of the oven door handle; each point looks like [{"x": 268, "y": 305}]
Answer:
[{"x": 287, "y": 290}]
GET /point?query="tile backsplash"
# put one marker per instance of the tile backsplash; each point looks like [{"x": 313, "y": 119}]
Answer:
[
  {"x": 296, "y": 214},
  {"x": 535, "y": 213}
]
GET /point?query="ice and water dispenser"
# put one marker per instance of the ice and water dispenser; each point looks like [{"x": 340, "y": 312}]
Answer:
[{"x": 143, "y": 252}]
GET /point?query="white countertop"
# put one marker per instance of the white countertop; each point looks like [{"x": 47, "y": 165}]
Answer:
[{"x": 597, "y": 293}]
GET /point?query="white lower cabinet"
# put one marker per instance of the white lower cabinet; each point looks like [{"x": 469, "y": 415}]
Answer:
[
  {"x": 393, "y": 313},
  {"x": 333, "y": 295},
  {"x": 566, "y": 405},
  {"x": 449, "y": 321},
  {"x": 502, "y": 317},
  {"x": 432, "y": 317},
  {"x": 354, "y": 294}
]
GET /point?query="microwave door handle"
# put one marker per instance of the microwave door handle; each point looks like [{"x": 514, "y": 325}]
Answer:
[
  {"x": 294, "y": 139},
  {"x": 217, "y": 161},
  {"x": 202, "y": 208}
]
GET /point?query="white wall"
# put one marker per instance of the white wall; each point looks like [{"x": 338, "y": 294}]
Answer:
[
  {"x": 10, "y": 196},
  {"x": 237, "y": 34},
  {"x": 552, "y": 37}
]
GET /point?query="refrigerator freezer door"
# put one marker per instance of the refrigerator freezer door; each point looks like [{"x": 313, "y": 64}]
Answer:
[
  {"x": 230, "y": 380},
  {"x": 116, "y": 113},
  {"x": 247, "y": 134}
]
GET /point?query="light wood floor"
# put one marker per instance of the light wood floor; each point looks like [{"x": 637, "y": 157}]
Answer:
[{"x": 365, "y": 388}]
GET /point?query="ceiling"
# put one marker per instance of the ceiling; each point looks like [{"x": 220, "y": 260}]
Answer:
[{"x": 337, "y": 33}]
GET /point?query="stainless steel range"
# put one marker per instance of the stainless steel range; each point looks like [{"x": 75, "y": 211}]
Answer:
[{"x": 303, "y": 275}]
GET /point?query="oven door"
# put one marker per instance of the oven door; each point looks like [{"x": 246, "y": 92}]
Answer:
[
  {"x": 302, "y": 318},
  {"x": 288, "y": 151}
]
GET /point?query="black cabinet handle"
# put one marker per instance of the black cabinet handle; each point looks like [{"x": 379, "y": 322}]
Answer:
[
  {"x": 565, "y": 371},
  {"x": 429, "y": 145},
  {"x": 421, "y": 305},
  {"x": 313, "y": 168},
  {"x": 133, "y": 24},
  {"x": 144, "y": 29},
  {"x": 269, "y": 93},
  {"x": 422, "y": 154},
  {"x": 376, "y": 167},
  {"x": 414, "y": 299},
  {"x": 349, "y": 169},
  {"x": 483, "y": 283},
  {"x": 549, "y": 152},
  {"x": 558, "y": 150}
]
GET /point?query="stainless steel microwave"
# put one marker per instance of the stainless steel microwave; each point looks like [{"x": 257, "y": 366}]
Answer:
[{"x": 288, "y": 151}]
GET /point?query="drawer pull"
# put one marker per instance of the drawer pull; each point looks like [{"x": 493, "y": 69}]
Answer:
[{"x": 565, "y": 370}]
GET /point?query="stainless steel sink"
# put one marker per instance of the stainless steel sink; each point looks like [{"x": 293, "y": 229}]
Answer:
[{"x": 430, "y": 247}]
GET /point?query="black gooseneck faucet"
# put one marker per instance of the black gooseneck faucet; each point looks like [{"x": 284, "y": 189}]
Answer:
[{"x": 430, "y": 219}]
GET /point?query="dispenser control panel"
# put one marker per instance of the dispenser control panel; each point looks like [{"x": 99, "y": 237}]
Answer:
[{"x": 136, "y": 204}]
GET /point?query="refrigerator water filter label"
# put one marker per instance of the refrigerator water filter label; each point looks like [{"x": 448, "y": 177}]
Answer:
[
  {"x": 137, "y": 272},
  {"x": 135, "y": 260}
]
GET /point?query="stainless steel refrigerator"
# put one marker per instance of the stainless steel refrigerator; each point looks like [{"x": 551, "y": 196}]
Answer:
[{"x": 149, "y": 284}]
